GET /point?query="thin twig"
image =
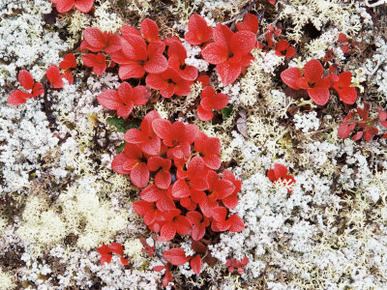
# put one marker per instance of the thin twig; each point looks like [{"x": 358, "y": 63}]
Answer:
[{"x": 242, "y": 13}]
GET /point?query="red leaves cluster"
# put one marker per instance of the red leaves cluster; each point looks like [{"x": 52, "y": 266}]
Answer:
[
  {"x": 359, "y": 121},
  {"x": 210, "y": 100},
  {"x": 187, "y": 196},
  {"x": 144, "y": 55},
  {"x": 231, "y": 51},
  {"x": 106, "y": 253},
  {"x": 124, "y": 98},
  {"x": 64, "y": 6},
  {"x": 279, "y": 175},
  {"x": 26, "y": 80},
  {"x": 317, "y": 85},
  {"x": 159, "y": 149},
  {"x": 53, "y": 75},
  {"x": 233, "y": 264},
  {"x": 177, "y": 257},
  {"x": 346, "y": 44}
]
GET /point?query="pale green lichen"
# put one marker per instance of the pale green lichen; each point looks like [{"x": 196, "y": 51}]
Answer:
[
  {"x": 319, "y": 13},
  {"x": 6, "y": 281},
  {"x": 133, "y": 249},
  {"x": 41, "y": 226},
  {"x": 105, "y": 19}
]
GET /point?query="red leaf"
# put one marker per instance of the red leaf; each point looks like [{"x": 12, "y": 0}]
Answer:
[
  {"x": 280, "y": 170},
  {"x": 228, "y": 72},
  {"x": 215, "y": 53},
  {"x": 196, "y": 264},
  {"x": 95, "y": 38},
  {"x": 143, "y": 207},
  {"x": 342, "y": 37},
  {"x": 96, "y": 61},
  {"x": 25, "y": 79},
  {"x": 348, "y": 95},
  {"x": 156, "y": 64},
  {"x": 176, "y": 256},
  {"x": 141, "y": 95},
  {"x": 163, "y": 179},
  {"x": 282, "y": 45},
  {"x": 167, "y": 278},
  {"x": 139, "y": 176},
  {"x": 357, "y": 136},
  {"x": 131, "y": 70},
  {"x": 219, "y": 213},
  {"x": 158, "y": 268},
  {"x": 183, "y": 226},
  {"x": 63, "y": 6},
  {"x": 103, "y": 250},
  {"x": 216, "y": 102},
  {"x": 134, "y": 47},
  {"x": 345, "y": 129},
  {"x": 84, "y": 5},
  {"x": 106, "y": 259},
  {"x": 222, "y": 35},
  {"x": 313, "y": 71},
  {"x": 54, "y": 77},
  {"x": 242, "y": 42},
  {"x": 180, "y": 189},
  {"x": 68, "y": 75},
  {"x": 18, "y": 97},
  {"x": 109, "y": 99},
  {"x": 37, "y": 90},
  {"x": 319, "y": 95},
  {"x": 249, "y": 23},
  {"x": 163, "y": 128},
  {"x": 118, "y": 164},
  {"x": 116, "y": 248},
  {"x": 151, "y": 193},
  {"x": 204, "y": 79},
  {"x": 290, "y": 52},
  {"x": 198, "y": 232},
  {"x": 204, "y": 114},
  {"x": 198, "y": 30},
  {"x": 167, "y": 232},
  {"x": 370, "y": 132},
  {"x": 236, "y": 223},
  {"x": 124, "y": 261},
  {"x": 149, "y": 30},
  {"x": 290, "y": 77},
  {"x": 68, "y": 62}
]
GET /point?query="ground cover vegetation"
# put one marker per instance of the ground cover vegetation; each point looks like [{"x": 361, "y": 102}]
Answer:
[{"x": 193, "y": 144}]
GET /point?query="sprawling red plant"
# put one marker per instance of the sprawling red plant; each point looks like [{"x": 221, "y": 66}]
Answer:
[
  {"x": 107, "y": 252},
  {"x": 191, "y": 201},
  {"x": 312, "y": 79},
  {"x": 361, "y": 124},
  {"x": 26, "y": 80},
  {"x": 230, "y": 52}
]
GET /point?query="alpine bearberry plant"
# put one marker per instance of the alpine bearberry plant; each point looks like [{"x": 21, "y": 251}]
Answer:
[
  {"x": 359, "y": 124},
  {"x": 180, "y": 187},
  {"x": 279, "y": 176},
  {"x": 312, "y": 79}
]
